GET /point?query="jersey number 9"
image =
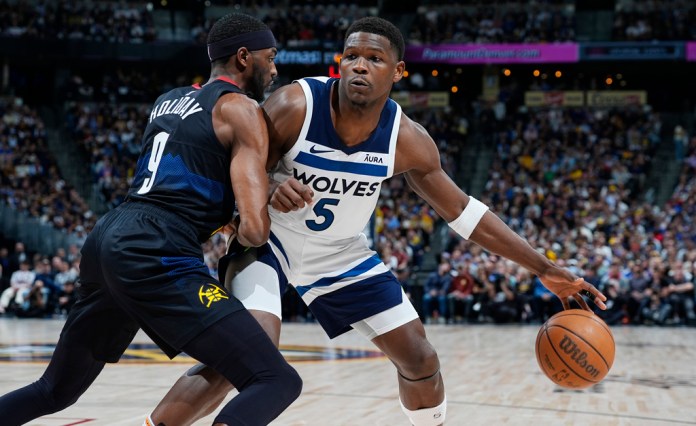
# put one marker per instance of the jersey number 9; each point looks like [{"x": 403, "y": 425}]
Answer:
[{"x": 155, "y": 157}]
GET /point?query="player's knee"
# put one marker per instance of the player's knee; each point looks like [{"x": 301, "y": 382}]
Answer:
[
  {"x": 419, "y": 364},
  {"x": 282, "y": 381},
  {"x": 290, "y": 384}
]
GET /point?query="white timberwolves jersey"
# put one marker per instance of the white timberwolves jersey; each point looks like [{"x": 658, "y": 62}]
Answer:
[{"x": 346, "y": 180}]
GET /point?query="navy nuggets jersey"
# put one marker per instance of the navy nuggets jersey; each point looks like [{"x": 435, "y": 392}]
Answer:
[
  {"x": 182, "y": 166},
  {"x": 346, "y": 180}
]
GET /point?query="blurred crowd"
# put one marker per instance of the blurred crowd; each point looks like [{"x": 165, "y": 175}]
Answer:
[
  {"x": 570, "y": 182},
  {"x": 655, "y": 20},
  {"x": 29, "y": 177},
  {"x": 129, "y": 84},
  {"x": 111, "y": 134},
  {"x": 493, "y": 23},
  {"x": 104, "y": 21},
  {"x": 314, "y": 24}
]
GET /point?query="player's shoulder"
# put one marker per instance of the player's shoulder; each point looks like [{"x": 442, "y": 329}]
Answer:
[
  {"x": 286, "y": 99},
  {"x": 182, "y": 90},
  {"x": 238, "y": 107},
  {"x": 415, "y": 149},
  {"x": 411, "y": 131}
]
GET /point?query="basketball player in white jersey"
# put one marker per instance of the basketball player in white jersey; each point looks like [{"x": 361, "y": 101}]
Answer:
[{"x": 333, "y": 143}]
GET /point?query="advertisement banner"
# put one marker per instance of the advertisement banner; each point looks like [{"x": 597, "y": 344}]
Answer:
[
  {"x": 305, "y": 57},
  {"x": 492, "y": 53},
  {"x": 626, "y": 51},
  {"x": 691, "y": 50},
  {"x": 421, "y": 99},
  {"x": 608, "y": 98},
  {"x": 556, "y": 98}
]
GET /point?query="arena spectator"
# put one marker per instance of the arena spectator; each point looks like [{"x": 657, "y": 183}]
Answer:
[
  {"x": 435, "y": 293},
  {"x": 21, "y": 282},
  {"x": 461, "y": 295}
]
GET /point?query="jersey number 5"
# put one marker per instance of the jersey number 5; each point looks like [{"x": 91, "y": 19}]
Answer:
[
  {"x": 155, "y": 157},
  {"x": 321, "y": 211}
]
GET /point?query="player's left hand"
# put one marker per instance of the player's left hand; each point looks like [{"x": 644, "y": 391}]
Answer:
[
  {"x": 565, "y": 285},
  {"x": 291, "y": 195}
]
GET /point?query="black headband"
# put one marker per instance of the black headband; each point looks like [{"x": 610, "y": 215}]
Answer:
[{"x": 255, "y": 40}]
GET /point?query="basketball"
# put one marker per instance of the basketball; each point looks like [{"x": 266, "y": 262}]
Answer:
[{"x": 575, "y": 349}]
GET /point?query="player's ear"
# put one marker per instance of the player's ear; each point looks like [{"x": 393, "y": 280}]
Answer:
[
  {"x": 399, "y": 71},
  {"x": 243, "y": 56}
]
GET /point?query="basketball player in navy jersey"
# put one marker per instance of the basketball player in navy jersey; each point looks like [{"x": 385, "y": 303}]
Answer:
[
  {"x": 333, "y": 142},
  {"x": 204, "y": 148}
]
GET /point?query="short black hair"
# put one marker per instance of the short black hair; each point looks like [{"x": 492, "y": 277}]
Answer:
[
  {"x": 379, "y": 26},
  {"x": 234, "y": 24}
]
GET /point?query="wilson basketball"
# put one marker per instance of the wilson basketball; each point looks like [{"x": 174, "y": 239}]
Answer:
[{"x": 575, "y": 349}]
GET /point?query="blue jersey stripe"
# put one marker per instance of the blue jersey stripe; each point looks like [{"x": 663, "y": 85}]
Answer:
[
  {"x": 365, "y": 266},
  {"x": 341, "y": 166},
  {"x": 276, "y": 242}
]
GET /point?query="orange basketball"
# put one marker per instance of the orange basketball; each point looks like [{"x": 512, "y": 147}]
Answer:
[{"x": 575, "y": 349}]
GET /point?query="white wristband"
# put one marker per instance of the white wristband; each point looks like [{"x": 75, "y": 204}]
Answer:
[{"x": 465, "y": 224}]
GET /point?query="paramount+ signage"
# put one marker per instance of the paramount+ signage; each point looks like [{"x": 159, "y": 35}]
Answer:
[
  {"x": 512, "y": 53},
  {"x": 536, "y": 53}
]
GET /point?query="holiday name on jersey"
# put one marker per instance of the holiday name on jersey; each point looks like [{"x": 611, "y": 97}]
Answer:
[{"x": 181, "y": 106}]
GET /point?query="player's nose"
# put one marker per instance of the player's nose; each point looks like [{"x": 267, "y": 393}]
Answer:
[{"x": 360, "y": 66}]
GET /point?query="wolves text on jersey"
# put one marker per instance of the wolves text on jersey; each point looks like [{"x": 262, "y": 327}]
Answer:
[
  {"x": 337, "y": 185},
  {"x": 182, "y": 106}
]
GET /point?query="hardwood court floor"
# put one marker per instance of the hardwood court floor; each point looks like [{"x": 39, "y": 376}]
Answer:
[{"x": 490, "y": 373}]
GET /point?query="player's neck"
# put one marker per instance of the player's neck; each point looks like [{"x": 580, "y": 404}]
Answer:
[
  {"x": 354, "y": 123},
  {"x": 222, "y": 73}
]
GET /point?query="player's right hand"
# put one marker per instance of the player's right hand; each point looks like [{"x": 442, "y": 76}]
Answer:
[
  {"x": 291, "y": 195},
  {"x": 566, "y": 285}
]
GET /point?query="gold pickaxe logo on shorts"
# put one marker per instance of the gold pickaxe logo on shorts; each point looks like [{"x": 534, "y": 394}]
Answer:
[{"x": 210, "y": 293}]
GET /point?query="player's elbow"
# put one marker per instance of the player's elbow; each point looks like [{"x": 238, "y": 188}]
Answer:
[
  {"x": 256, "y": 240},
  {"x": 254, "y": 235}
]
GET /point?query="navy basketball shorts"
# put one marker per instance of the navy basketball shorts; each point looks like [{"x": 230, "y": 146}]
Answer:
[
  {"x": 142, "y": 267},
  {"x": 343, "y": 282}
]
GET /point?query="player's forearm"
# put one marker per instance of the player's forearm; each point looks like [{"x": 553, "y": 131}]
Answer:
[
  {"x": 495, "y": 236},
  {"x": 254, "y": 222}
]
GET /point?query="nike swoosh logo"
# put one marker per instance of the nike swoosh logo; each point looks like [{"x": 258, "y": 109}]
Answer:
[{"x": 314, "y": 150}]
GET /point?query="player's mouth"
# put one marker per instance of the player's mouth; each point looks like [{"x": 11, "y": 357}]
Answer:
[{"x": 359, "y": 83}]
